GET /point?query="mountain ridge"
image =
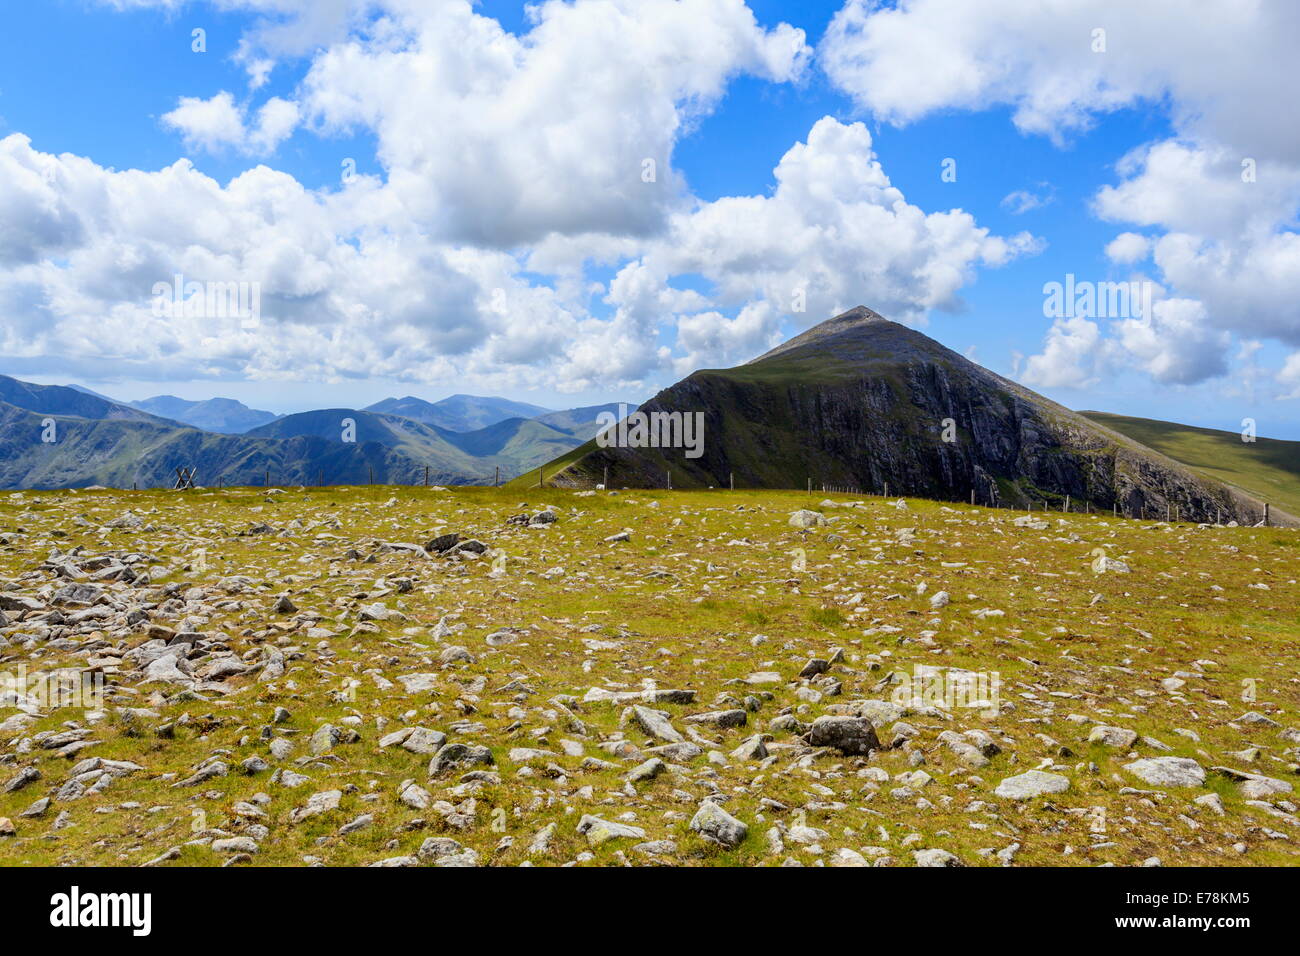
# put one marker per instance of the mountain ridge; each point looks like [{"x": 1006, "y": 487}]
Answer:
[
  {"x": 860, "y": 401},
  {"x": 458, "y": 412},
  {"x": 224, "y": 415}
]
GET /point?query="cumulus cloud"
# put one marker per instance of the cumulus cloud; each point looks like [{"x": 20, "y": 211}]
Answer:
[
  {"x": 511, "y": 165},
  {"x": 37, "y": 211},
  {"x": 1223, "y": 71},
  {"x": 1073, "y": 356},
  {"x": 1200, "y": 189},
  {"x": 711, "y": 338},
  {"x": 218, "y": 123},
  {"x": 1128, "y": 248},
  {"x": 1174, "y": 345},
  {"x": 835, "y": 233},
  {"x": 1289, "y": 376},
  {"x": 1222, "y": 194},
  {"x": 499, "y": 139},
  {"x": 338, "y": 297}
]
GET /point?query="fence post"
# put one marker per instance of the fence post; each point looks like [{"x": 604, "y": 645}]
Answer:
[
  {"x": 1266, "y": 514},
  {"x": 733, "y": 481}
]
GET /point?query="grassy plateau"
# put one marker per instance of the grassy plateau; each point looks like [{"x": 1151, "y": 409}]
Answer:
[{"x": 308, "y": 625}]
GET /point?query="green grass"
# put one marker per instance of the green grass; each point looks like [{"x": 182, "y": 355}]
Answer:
[
  {"x": 702, "y": 596},
  {"x": 531, "y": 479}
]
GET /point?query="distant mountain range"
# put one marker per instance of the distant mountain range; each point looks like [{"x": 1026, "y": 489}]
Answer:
[
  {"x": 458, "y": 413},
  {"x": 860, "y": 402},
  {"x": 96, "y": 440},
  {"x": 223, "y": 415}
]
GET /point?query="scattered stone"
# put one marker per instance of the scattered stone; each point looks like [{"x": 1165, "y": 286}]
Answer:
[
  {"x": 600, "y": 831},
  {"x": 848, "y": 735},
  {"x": 806, "y": 519},
  {"x": 1116, "y": 737},
  {"x": 1168, "y": 771},
  {"x": 1030, "y": 784},
  {"x": 716, "y": 824}
]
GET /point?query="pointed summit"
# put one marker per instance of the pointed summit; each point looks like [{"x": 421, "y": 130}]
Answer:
[
  {"x": 855, "y": 319},
  {"x": 853, "y": 340},
  {"x": 859, "y": 313}
]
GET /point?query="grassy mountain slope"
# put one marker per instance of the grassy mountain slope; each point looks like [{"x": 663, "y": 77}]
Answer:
[
  {"x": 1268, "y": 468},
  {"x": 415, "y": 440},
  {"x": 513, "y": 441}
]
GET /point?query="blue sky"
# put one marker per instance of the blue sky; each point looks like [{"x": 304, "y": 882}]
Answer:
[{"x": 1104, "y": 149}]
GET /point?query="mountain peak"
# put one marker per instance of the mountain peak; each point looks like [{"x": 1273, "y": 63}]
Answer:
[
  {"x": 856, "y": 334},
  {"x": 862, "y": 402},
  {"x": 859, "y": 313}
]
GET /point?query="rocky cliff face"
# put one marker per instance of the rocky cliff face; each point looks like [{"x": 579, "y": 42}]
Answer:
[{"x": 863, "y": 403}]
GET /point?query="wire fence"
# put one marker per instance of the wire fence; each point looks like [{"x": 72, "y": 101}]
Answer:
[{"x": 187, "y": 478}]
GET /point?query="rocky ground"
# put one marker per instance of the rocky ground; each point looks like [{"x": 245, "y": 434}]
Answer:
[{"x": 388, "y": 676}]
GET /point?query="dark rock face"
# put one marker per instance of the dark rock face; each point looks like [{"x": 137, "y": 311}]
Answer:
[{"x": 862, "y": 403}]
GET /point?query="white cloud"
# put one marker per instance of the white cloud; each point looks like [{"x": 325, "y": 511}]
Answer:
[
  {"x": 218, "y": 123},
  {"x": 511, "y": 165},
  {"x": 836, "y": 232},
  {"x": 1199, "y": 189},
  {"x": 1222, "y": 194},
  {"x": 1250, "y": 285},
  {"x": 1174, "y": 345},
  {"x": 1022, "y": 201},
  {"x": 1128, "y": 248},
  {"x": 498, "y": 139},
  {"x": 35, "y": 207},
  {"x": 711, "y": 339},
  {"x": 207, "y": 124},
  {"x": 1289, "y": 376},
  {"x": 1073, "y": 356},
  {"x": 1226, "y": 71}
]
